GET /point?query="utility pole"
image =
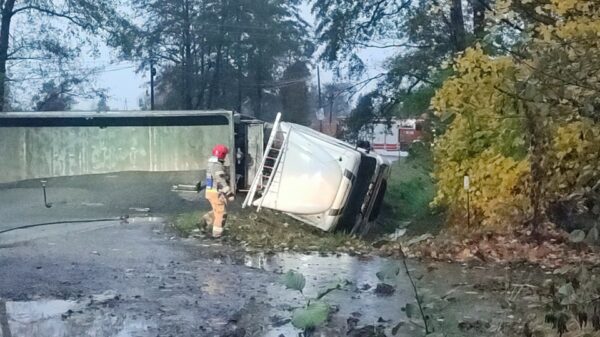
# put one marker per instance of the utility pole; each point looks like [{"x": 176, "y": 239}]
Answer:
[
  {"x": 152, "y": 74},
  {"x": 320, "y": 100},
  {"x": 330, "y": 108}
]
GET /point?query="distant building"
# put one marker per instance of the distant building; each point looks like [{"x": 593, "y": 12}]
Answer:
[
  {"x": 333, "y": 129},
  {"x": 393, "y": 139}
]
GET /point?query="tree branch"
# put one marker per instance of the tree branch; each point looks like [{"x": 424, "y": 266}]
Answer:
[
  {"x": 508, "y": 22},
  {"x": 530, "y": 12},
  {"x": 27, "y": 58},
  {"x": 379, "y": 13},
  {"x": 414, "y": 286},
  {"x": 361, "y": 83},
  {"x": 444, "y": 17},
  {"x": 385, "y": 46},
  {"x": 50, "y": 12}
]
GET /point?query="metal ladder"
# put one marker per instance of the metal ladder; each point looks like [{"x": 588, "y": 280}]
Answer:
[{"x": 270, "y": 162}]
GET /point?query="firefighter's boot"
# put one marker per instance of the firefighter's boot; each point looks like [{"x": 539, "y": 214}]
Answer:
[{"x": 207, "y": 222}]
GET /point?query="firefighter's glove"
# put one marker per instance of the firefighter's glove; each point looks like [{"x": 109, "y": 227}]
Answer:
[{"x": 200, "y": 186}]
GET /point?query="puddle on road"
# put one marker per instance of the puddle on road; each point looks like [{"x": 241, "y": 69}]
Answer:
[
  {"x": 320, "y": 270},
  {"x": 51, "y": 318},
  {"x": 358, "y": 299}
]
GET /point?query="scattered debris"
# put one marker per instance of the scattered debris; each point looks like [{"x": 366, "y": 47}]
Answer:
[
  {"x": 477, "y": 325},
  {"x": 105, "y": 297},
  {"x": 140, "y": 209},
  {"x": 235, "y": 332},
  {"x": 400, "y": 232},
  {"x": 577, "y": 236},
  {"x": 92, "y": 204},
  {"x": 384, "y": 289},
  {"x": 278, "y": 321},
  {"x": 397, "y": 327},
  {"x": 550, "y": 249},
  {"x": 419, "y": 239},
  {"x": 365, "y": 287},
  {"x": 368, "y": 331},
  {"x": 351, "y": 322},
  {"x": 593, "y": 237}
]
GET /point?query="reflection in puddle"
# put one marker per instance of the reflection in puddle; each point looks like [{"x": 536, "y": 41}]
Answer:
[
  {"x": 357, "y": 274},
  {"x": 213, "y": 286},
  {"x": 321, "y": 268},
  {"x": 45, "y": 318}
]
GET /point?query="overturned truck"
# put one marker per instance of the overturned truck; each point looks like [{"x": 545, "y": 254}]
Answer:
[{"x": 319, "y": 180}]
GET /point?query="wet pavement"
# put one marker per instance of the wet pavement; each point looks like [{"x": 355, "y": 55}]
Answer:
[
  {"x": 98, "y": 197},
  {"x": 137, "y": 278},
  {"x": 161, "y": 285}
]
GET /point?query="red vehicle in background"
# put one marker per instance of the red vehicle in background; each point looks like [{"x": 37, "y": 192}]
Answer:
[{"x": 393, "y": 139}]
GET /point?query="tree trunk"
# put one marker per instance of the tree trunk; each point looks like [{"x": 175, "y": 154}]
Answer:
[
  {"x": 4, "y": 40},
  {"x": 239, "y": 90},
  {"x": 259, "y": 97},
  {"x": 458, "y": 26},
  {"x": 533, "y": 124},
  {"x": 188, "y": 59},
  {"x": 479, "y": 7},
  {"x": 238, "y": 56},
  {"x": 259, "y": 90},
  {"x": 214, "y": 83},
  {"x": 201, "y": 76}
]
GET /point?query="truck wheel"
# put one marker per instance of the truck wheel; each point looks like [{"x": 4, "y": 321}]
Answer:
[
  {"x": 378, "y": 201},
  {"x": 359, "y": 222}
]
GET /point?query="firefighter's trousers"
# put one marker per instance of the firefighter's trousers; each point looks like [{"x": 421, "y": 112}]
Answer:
[{"x": 219, "y": 212}]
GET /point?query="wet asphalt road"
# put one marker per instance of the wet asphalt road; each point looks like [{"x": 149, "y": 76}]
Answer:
[
  {"x": 151, "y": 283},
  {"x": 97, "y": 196},
  {"x": 154, "y": 284},
  {"x": 137, "y": 278}
]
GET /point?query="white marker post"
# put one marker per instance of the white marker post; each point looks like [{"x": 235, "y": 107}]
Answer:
[{"x": 467, "y": 187}]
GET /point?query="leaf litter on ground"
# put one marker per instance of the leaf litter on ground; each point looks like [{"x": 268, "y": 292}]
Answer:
[{"x": 265, "y": 231}]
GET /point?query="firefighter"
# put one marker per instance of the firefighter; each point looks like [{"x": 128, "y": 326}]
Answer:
[{"x": 218, "y": 192}]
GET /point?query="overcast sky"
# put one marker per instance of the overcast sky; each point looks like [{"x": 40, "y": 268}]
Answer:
[{"x": 125, "y": 87}]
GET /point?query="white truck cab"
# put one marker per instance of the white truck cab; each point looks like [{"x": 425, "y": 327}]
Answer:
[{"x": 319, "y": 180}]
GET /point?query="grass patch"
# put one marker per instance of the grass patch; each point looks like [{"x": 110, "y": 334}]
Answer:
[
  {"x": 410, "y": 191},
  {"x": 185, "y": 223},
  {"x": 279, "y": 232},
  {"x": 273, "y": 231}
]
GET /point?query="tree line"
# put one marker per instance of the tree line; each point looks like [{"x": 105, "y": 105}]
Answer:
[
  {"x": 510, "y": 88},
  {"x": 242, "y": 55}
]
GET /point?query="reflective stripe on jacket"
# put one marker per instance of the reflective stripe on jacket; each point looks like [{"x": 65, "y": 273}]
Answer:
[{"x": 216, "y": 177}]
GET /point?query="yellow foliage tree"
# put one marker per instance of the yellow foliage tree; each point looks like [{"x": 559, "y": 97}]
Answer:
[
  {"x": 525, "y": 125},
  {"x": 485, "y": 141},
  {"x": 574, "y": 164}
]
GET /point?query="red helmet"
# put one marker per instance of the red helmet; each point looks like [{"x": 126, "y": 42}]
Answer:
[{"x": 220, "y": 151}]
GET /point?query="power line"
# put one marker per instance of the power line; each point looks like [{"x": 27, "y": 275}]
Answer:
[{"x": 83, "y": 72}]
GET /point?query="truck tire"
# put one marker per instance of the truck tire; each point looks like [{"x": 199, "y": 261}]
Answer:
[{"x": 378, "y": 201}]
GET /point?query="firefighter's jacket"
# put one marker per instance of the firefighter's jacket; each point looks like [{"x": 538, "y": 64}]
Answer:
[{"x": 216, "y": 177}]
